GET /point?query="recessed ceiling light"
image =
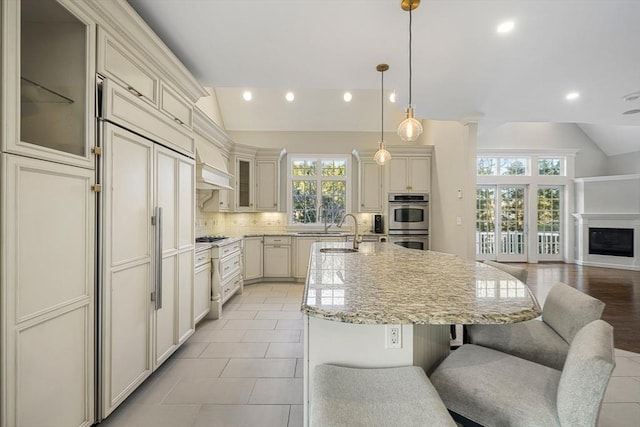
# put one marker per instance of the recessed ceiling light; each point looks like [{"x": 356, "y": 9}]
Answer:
[
  {"x": 290, "y": 96},
  {"x": 347, "y": 97},
  {"x": 392, "y": 97},
  {"x": 505, "y": 27},
  {"x": 247, "y": 95},
  {"x": 572, "y": 96}
]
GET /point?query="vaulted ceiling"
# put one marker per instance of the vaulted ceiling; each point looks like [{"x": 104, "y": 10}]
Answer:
[{"x": 462, "y": 66}]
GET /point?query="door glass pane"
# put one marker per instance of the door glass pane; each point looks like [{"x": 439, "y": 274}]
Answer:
[
  {"x": 53, "y": 79},
  {"x": 485, "y": 220},
  {"x": 512, "y": 208},
  {"x": 549, "y": 221}
]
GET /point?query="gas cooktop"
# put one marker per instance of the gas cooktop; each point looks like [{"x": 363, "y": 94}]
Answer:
[{"x": 207, "y": 239}]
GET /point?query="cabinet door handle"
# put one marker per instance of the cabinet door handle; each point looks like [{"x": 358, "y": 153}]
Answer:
[
  {"x": 134, "y": 91},
  {"x": 157, "y": 295},
  {"x": 180, "y": 122}
]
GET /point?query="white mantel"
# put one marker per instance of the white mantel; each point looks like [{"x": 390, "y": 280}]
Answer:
[{"x": 607, "y": 202}]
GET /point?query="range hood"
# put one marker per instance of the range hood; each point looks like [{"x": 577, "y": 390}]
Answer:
[{"x": 211, "y": 169}]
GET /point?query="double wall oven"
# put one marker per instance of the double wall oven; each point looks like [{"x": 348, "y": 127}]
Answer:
[{"x": 409, "y": 220}]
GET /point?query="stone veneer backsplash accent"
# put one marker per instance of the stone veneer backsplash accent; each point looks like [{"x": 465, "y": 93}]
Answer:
[{"x": 238, "y": 224}]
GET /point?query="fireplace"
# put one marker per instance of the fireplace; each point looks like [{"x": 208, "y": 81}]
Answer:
[{"x": 611, "y": 241}]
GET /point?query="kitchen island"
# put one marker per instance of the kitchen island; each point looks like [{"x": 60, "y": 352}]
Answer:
[{"x": 386, "y": 305}]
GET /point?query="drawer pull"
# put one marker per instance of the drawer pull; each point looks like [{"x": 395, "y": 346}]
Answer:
[
  {"x": 177, "y": 120},
  {"x": 134, "y": 91}
]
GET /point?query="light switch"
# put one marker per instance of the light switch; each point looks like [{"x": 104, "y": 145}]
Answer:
[{"x": 458, "y": 220}]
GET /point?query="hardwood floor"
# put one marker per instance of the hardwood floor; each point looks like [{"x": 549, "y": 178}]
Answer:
[{"x": 618, "y": 289}]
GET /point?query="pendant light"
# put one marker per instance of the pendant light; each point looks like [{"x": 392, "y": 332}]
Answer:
[
  {"x": 410, "y": 128},
  {"x": 382, "y": 155}
]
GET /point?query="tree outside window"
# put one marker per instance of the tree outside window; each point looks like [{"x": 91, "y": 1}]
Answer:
[{"x": 319, "y": 190}]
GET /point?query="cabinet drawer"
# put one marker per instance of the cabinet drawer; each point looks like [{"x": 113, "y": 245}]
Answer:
[
  {"x": 230, "y": 287},
  {"x": 202, "y": 258},
  {"x": 177, "y": 108},
  {"x": 117, "y": 62},
  {"x": 277, "y": 240},
  {"x": 230, "y": 266},
  {"x": 229, "y": 249}
]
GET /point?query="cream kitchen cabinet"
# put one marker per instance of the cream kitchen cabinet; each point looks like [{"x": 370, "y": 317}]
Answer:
[
  {"x": 370, "y": 189},
  {"x": 244, "y": 189},
  {"x": 47, "y": 216},
  {"x": 202, "y": 284},
  {"x": 277, "y": 256},
  {"x": 267, "y": 185},
  {"x": 409, "y": 175},
  {"x": 303, "y": 250},
  {"x": 122, "y": 65},
  {"x": 253, "y": 258},
  {"x": 147, "y": 278},
  {"x": 48, "y": 293},
  {"x": 226, "y": 256}
]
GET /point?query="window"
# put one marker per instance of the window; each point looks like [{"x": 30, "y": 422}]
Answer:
[
  {"x": 318, "y": 189},
  {"x": 549, "y": 166},
  {"x": 497, "y": 165},
  {"x": 493, "y": 166}
]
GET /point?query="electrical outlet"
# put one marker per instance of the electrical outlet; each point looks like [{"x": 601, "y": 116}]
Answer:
[{"x": 393, "y": 336}]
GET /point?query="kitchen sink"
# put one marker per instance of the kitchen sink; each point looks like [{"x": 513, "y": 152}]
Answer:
[
  {"x": 338, "y": 250},
  {"x": 330, "y": 233}
]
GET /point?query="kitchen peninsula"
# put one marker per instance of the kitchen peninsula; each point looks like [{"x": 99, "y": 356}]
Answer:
[{"x": 351, "y": 299}]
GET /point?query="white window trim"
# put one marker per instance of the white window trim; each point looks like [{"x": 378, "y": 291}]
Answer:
[
  {"x": 533, "y": 181},
  {"x": 290, "y": 177}
]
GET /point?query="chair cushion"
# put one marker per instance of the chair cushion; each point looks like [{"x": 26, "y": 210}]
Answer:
[
  {"x": 496, "y": 389},
  {"x": 567, "y": 310},
  {"x": 400, "y": 396},
  {"x": 533, "y": 340},
  {"x": 586, "y": 374},
  {"x": 517, "y": 272}
]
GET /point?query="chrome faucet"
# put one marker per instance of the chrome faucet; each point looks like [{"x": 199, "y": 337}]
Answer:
[
  {"x": 327, "y": 225},
  {"x": 356, "y": 238}
]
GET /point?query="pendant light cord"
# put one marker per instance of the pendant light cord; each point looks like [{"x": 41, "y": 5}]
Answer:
[
  {"x": 382, "y": 106},
  {"x": 410, "y": 71}
]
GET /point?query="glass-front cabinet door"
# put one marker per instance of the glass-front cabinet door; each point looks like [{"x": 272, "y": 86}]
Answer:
[{"x": 56, "y": 82}]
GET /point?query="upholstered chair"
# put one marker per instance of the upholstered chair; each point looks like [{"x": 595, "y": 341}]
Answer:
[
  {"x": 400, "y": 396},
  {"x": 546, "y": 341},
  {"x": 492, "y": 388}
]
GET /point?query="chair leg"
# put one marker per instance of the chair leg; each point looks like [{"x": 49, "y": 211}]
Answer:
[{"x": 464, "y": 421}]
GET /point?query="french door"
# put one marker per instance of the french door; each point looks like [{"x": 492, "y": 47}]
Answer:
[{"x": 501, "y": 222}]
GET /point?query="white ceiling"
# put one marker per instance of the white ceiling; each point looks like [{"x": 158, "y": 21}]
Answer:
[{"x": 461, "y": 66}]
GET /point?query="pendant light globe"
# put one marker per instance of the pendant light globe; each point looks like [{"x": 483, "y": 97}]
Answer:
[
  {"x": 382, "y": 156},
  {"x": 410, "y": 128}
]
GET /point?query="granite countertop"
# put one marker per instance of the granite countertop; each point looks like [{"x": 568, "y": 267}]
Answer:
[{"x": 389, "y": 284}]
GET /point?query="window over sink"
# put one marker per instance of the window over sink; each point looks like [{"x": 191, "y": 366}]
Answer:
[{"x": 318, "y": 188}]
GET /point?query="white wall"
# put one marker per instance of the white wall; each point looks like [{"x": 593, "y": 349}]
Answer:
[
  {"x": 454, "y": 152},
  {"x": 624, "y": 164},
  {"x": 590, "y": 160}
]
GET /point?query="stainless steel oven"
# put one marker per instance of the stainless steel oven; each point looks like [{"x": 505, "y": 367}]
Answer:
[
  {"x": 411, "y": 241},
  {"x": 408, "y": 212}
]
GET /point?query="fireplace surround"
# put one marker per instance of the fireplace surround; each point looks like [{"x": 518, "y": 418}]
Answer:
[{"x": 607, "y": 225}]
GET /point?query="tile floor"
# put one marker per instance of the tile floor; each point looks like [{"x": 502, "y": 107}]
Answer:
[{"x": 245, "y": 369}]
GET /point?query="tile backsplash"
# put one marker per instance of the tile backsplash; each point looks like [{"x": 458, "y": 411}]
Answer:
[{"x": 238, "y": 224}]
